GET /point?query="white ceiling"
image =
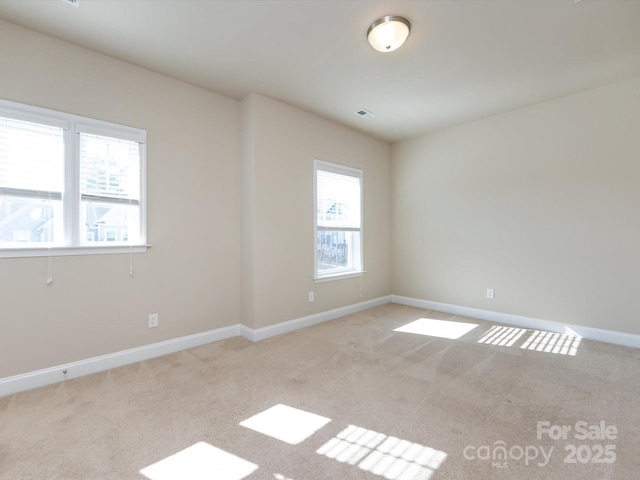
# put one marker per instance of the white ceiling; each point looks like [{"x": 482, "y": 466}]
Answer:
[{"x": 463, "y": 60}]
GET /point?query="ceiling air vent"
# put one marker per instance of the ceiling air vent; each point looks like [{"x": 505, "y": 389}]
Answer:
[{"x": 365, "y": 113}]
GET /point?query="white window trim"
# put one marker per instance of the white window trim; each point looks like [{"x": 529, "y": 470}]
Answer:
[
  {"x": 72, "y": 126},
  {"x": 338, "y": 276},
  {"x": 63, "y": 251},
  {"x": 340, "y": 170}
]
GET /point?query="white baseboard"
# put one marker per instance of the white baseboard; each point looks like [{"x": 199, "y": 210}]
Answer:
[
  {"x": 257, "y": 334},
  {"x": 47, "y": 376},
  {"x": 598, "y": 334}
]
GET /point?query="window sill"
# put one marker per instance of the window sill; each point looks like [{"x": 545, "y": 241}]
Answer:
[
  {"x": 339, "y": 276},
  {"x": 63, "y": 251}
]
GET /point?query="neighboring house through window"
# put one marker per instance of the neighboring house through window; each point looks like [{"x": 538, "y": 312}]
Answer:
[{"x": 338, "y": 220}]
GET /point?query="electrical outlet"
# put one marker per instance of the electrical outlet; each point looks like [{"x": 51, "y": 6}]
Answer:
[
  {"x": 491, "y": 293},
  {"x": 311, "y": 297},
  {"x": 153, "y": 320}
]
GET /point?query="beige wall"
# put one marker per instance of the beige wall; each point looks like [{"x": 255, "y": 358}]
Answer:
[
  {"x": 230, "y": 209},
  {"x": 191, "y": 275},
  {"x": 284, "y": 143},
  {"x": 540, "y": 204}
]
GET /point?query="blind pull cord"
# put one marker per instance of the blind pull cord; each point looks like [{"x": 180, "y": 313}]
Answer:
[
  {"x": 50, "y": 268},
  {"x": 50, "y": 238},
  {"x": 129, "y": 239}
]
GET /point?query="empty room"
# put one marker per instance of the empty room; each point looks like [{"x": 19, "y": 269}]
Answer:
[{"x": 319, "y": 239}]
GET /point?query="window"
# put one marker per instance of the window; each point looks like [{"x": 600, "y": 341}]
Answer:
[
  {"x": 68, "y": 183},
  {"x": 338, "y": 223}
]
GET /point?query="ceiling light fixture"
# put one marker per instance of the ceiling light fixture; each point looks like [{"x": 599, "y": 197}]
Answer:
[{"x": 388, "y": 33}]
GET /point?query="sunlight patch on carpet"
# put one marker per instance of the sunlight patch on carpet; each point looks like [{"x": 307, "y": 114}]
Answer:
[
  {"x": 437, "y": 328},
  {"x": 285, "y": 423},
  {"x": 383, "y": 455},
  {"x": 200, "y": 461},
  {"x": 549, "y": 342},
  {"x": 502, "y": 336}
]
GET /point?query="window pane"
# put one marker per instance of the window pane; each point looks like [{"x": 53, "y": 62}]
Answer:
[
  {"x": 109, "y": 167},
  {"x": 29, "y": 220},
  {"x": 338, "y": 200},
  {"x": 107, "y": 222},
  {"x": 338, "y": 251},
  {"x": 31, "y": 156}
]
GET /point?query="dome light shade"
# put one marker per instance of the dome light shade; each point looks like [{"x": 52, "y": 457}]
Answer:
[{"x": 388, "y": 33}]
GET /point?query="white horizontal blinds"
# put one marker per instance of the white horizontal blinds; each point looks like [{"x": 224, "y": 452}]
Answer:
[
  {"x": 109, "y": 169},
  {"x": 31, "y": 159},
  {"x": 338, "y": 200}
]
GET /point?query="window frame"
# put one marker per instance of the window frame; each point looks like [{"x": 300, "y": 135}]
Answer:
[
  {"x": 73, "y": 126},
  {"x": 358, "y": 270}
]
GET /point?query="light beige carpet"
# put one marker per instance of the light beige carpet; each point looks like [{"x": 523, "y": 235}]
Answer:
[{"x": 348, "y": 399}]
